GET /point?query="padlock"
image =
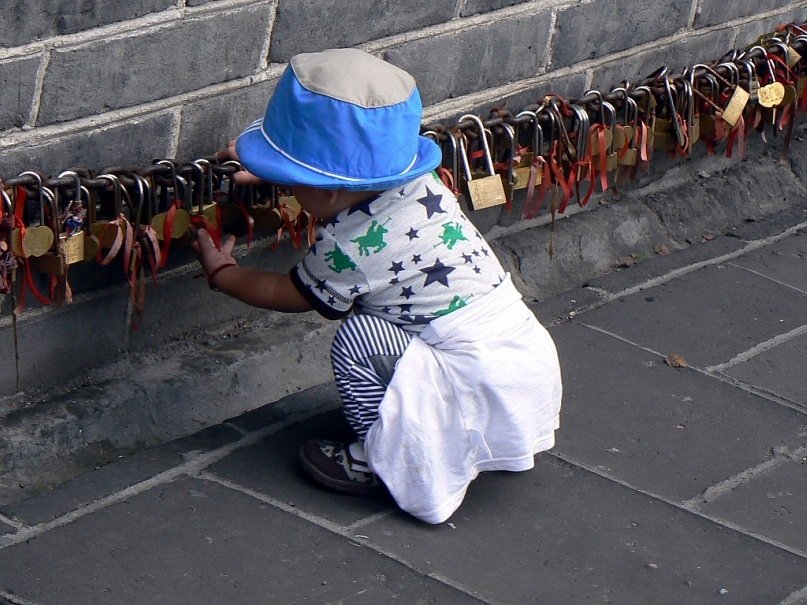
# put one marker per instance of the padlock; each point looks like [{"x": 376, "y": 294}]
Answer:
[
  {"x": 509, "y": 161},
  {"x": 175, "y": 207},
  {"x": 32, "y": 241},
  {"x": 486, "y": 191},
  {"x": 72, "y": 222},
  {"x": 525, "y": 167},
  {"x": 8, "y": 260},
  {"x": 54, "y": 261}
]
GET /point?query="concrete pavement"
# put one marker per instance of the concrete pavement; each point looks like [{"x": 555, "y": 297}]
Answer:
[{"x": 679, "y": 475}]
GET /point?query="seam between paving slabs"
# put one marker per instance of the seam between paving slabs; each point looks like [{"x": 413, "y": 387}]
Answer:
[
  {"x": 343, "y": 531},
  {"x": 717, "y": 375},
  {"x": 750, "y": 246},
  {"x": 12, "y": 599},
  {"x": 798, "y": 552}
]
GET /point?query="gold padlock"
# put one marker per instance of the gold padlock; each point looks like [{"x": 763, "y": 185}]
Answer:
[
  {"x": 487, "y": 190},
  {"x": 524, "y": 169}
]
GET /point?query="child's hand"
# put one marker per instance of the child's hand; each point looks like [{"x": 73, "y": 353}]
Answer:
[
  {"x": 210, "y": 257},
  {"x": 242, "y": 177}
]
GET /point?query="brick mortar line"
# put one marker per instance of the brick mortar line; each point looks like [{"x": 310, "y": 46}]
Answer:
[
  {"x": 781, "y": 456},
  {"x": 434, "y": 112},
  {"x": 448, "y": 107},
  {"x": 443, "y": 108},
  {"x": 694, "y": 11},
  {"x": 801, "y": 553},
  {"x": 121, "y": 29},
  {"x": 36, "y": 99},
  {"x": 342, "y": 531},
  {"x": 758, "y": 349}
]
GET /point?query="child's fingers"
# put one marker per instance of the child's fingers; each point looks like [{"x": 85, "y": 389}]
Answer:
[
  {"x": 244, "y": 177},
  {"x": 227, "y": 246}
]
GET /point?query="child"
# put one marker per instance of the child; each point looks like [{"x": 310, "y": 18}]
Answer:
[{"x": 442, "y": 369}]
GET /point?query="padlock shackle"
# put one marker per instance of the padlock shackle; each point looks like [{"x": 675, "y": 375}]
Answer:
[{"x": 483, "y": 141}]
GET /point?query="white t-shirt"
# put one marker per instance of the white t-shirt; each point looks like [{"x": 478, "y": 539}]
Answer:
[{"x": 408, "y": 255}]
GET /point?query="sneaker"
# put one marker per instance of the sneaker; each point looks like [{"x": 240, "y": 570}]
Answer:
[{"x": 332, "y": 464}]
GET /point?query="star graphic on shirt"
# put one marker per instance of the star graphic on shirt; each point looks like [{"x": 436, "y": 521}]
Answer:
[
  {"x": 432, "y": 202},
  {"x": 412, "y": 233},
  {"x": 362, "y": 207},
  {"x": 438, "y": 272},
  {"x": 406, "y": 308},
  {"x": 321, "y": 285},
  {"x": 333, "y": 222},
  {"x": 467, "y": 258},
  {"x": 485, "y": 252},
  {"x": 331, "y": 300},
  {"x": 355, "y": 290},
  {"x": 407, "y": 292},
  {"x": 397, "y": 267},
  {"x": 475, "y": 252},
  {"x": 477, "y": 270},
  {"x": 394, "y": 281},
  {"x": 386, "y": 310},
  {"x": 416, "y": 258},
  {"x": 402, "y": 192}
]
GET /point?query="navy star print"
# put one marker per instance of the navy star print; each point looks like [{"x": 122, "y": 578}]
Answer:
[
  {"x": 432, "y": 202},
  {"x": 438, "y": 272}
]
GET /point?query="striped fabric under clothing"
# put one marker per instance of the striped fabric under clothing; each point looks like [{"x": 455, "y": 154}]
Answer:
[{"x": 364, "y": 353}]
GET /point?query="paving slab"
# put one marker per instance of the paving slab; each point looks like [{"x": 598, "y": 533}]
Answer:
[
  {"x": 779, "y": 370},
  {"x": 707, "y": 316},
  {"x": 785, "y": 261},
  {"x": 670, "y": 431},
  {"x": 111, "y": 478},
  {"x": 772, "y": 504},
  {"x": 271, "y": 468},
  {"x": 559, "y": 534},
  {"x": 194, "y": 541}
]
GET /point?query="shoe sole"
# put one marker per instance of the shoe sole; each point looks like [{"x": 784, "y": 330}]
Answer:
[{"x": 354, "y": 489}]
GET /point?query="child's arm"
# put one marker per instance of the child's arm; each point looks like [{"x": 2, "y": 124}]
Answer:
[{"x": 268, "y": 290}]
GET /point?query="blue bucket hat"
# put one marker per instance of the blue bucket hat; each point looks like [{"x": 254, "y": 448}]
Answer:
[{"x": 340, "y": 119}]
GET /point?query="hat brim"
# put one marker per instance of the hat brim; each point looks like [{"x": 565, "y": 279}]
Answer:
[{"x": 264, "y": 161}]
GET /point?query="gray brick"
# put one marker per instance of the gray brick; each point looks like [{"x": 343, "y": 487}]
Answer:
[
  {"x": 474, "y": 7},
  {"x": 470, "y": 60},
  {"x": 697, "y": 49},
  {"x": 341, "y": 24},
  {"x": 17, "y": 81},
  {"x": 209, "y": 124},
  {"x": 25, "y": 22},
  {"x": 713, "y": 12},
  {"x": 153, "y": 64},
  {"x": 135, "y": 142},
  {"x": 749, "y": 33},
  {"x": 605, "y": 26}
]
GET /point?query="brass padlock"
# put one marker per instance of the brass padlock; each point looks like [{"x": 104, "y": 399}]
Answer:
[
  {"x": 525, "y": 166},
  {"x": 487, "y": 190},
  {"x": 54, "y": 261},
  {"x": 33, "y": 241},
  {"x": 175, "y": 207}
]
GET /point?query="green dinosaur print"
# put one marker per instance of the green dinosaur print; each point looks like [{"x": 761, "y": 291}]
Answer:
[
  {"x": 340, "y": 260},
  {"x": 374, "y": 238},
  {"x": 452, "y": 233},
  {"x": 456, "y": 303}
]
